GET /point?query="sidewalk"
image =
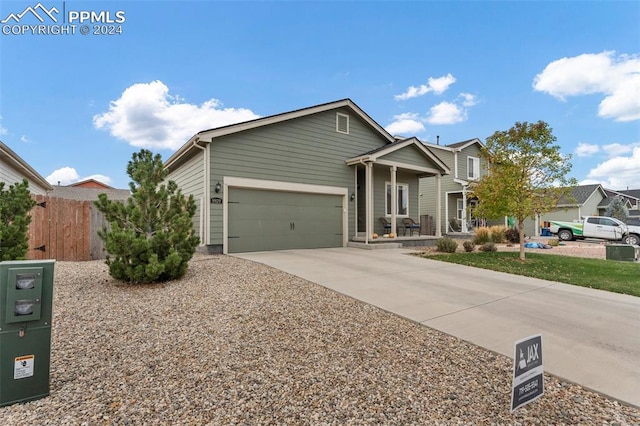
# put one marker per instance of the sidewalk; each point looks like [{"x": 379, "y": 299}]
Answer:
[{"x": 590, "y": 337}]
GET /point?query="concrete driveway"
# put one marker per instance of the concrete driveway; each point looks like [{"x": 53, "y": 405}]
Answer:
[{"x": 590, "y": 337}]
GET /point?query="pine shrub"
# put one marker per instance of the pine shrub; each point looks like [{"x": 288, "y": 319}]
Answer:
[
  {"x": 151, "y": 236},
  {"x": 15, "y": 204},
  {"x": 446, "y": 245}
]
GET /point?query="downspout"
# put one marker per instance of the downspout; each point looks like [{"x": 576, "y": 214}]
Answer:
[{"x": 204, "y": 207}]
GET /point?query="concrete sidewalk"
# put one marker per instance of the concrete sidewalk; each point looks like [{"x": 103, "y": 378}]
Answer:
[{"x": 590, "y": 337}]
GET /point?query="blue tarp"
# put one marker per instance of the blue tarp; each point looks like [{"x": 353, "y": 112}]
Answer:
[{"x": 537, "y": 245}]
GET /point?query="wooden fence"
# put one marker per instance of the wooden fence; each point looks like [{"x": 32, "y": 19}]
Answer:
[{"x": 65, "y": 230}]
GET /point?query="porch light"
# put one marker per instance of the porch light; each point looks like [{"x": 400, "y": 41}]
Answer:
[
  {"x": 217, "y": 188},
  {"x": 352, "y": 197}
]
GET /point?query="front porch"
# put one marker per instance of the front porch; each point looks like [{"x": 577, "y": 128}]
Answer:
[{"x": 403, "y": 241}]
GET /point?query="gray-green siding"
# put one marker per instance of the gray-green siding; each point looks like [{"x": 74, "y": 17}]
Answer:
[
  {"x": 381, "y": 177},
  {"x": 304, "y": 150},
  {"x": 190, "y": 179}
]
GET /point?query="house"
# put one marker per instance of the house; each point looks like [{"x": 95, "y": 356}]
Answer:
[
  {"x": 314, "y": 177},
  {"x": 14, "y": 169},
  {"x": 90, "y": 183},
  {"x": 88, "y": 190},
  {"x": 463, "y": 158}
]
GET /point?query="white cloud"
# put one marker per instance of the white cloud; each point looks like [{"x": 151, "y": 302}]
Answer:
[
  {"x": 24, "y": 139},
  {"x": 435, "y": 85},
  {"x": 468, "y": 100},
  {"x": 68, "y": 175},
  {"x": 446, "y": 113},
  {"x": 405, "y": 124},
  {"x": 616, "y": 149},
  {"x": 618, "y": 172},
  {"x": 586, "y": 149},
  {"x": 64, "y": 175},
  {"x": 615, "y": 77},
  {"x": 147, "y": 116}
]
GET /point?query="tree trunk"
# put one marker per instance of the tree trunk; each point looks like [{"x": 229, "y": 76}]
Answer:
[{"x": 521, "y": 234}]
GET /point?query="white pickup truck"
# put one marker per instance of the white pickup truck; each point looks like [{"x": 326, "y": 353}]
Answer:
[{"x": 604, "y": 228}]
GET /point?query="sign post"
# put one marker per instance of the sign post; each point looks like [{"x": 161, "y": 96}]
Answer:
[{"x": 528, "y": 375}]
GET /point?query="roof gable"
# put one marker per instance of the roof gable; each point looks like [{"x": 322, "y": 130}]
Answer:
[
  {"x": 378, "y": 153},
  {"x": 206, "y": 136},
  {"x": 580, "y": 194}
]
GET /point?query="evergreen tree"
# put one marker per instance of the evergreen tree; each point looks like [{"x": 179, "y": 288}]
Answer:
[
  {"x": 15, "y": 204},
  {"x": 151, "y": 235},
  {"x": 617, "y": 209}
]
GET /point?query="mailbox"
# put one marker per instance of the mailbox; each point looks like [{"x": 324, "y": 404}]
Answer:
[{"x": 26, "y": 296}]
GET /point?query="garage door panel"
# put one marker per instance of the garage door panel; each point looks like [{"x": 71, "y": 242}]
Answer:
[{"x": 261, "y": 220}]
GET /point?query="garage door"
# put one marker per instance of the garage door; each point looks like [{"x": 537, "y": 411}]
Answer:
[{"x": 261, "y": 220}]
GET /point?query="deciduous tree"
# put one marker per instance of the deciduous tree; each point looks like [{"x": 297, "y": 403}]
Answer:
[{"x": 527, "y": 174}]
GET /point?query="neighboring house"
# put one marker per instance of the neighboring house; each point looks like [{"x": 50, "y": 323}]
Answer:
[
  {"x": 88, "y": 190},
  {"x": 314, "y": 177},
  {"x": 455, "y": 206},
  {"x": 584, "y": 200},
  {"x": 90, "y": 183},
  {"x": 14, "y": 169}
]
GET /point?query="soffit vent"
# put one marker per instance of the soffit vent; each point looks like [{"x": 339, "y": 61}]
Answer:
[{"x": 342, "y": 123}]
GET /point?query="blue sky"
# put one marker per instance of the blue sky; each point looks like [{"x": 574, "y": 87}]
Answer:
[{"x": 76, "y": 106}]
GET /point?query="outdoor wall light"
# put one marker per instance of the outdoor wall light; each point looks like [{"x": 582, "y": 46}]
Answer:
[
  {"x": 353, "y": 197},
  {"x": 218, "y": 188}
]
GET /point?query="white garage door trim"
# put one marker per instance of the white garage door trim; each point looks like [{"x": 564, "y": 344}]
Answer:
[{"x": 275, "y": 185}]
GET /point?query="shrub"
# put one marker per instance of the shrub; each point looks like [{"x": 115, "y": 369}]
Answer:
[
  {"x": 151, "y": 236},
  {"x": 512, "y": 235},
  {"x": 15, "y": 204},
  {"x": 482, "y": 235},
  {"x": 553, "y": 242},
  {"x": 497, "y": 233},
  {"x": 469, "y": 246},
  {"x": 490, "y": 246},
  {"x": 446, "y": 245}
]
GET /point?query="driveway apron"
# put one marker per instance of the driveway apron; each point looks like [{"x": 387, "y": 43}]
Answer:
[{"x": 590, "y": 337}]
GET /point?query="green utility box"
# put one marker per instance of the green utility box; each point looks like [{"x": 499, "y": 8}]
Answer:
[
  {"x": 625, "y": 252},
  {"x": 26, "y": 296}
]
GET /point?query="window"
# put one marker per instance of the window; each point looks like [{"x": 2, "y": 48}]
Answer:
[
  {"x": 473, "y": 168},
  {"x": 342, "y": 123},
  {"x": 402, "y": 198},
  {"x": 459, "y": 209}
]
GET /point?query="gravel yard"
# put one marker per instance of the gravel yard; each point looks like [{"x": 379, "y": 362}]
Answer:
[{"x": 237, "y": 342}]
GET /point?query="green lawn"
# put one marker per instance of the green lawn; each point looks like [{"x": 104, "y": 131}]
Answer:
[{"x": 615, "y": 276}]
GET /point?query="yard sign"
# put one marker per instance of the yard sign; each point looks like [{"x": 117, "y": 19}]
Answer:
[{"x": 528, "y": 376}]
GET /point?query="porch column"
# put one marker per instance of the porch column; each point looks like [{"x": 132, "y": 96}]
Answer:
[
  {"x": 369, "y": 200},
  {"x": 463, "y": 227},
  {"x": 394, "y": 199},
  {"x": 355, "y": 202},
  {"x": 438, "y": 205}
]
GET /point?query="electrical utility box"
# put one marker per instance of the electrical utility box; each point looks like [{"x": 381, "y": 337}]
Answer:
[
  {"x": 626, "y": 252},
  {"x": 26, "y": 296}
]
